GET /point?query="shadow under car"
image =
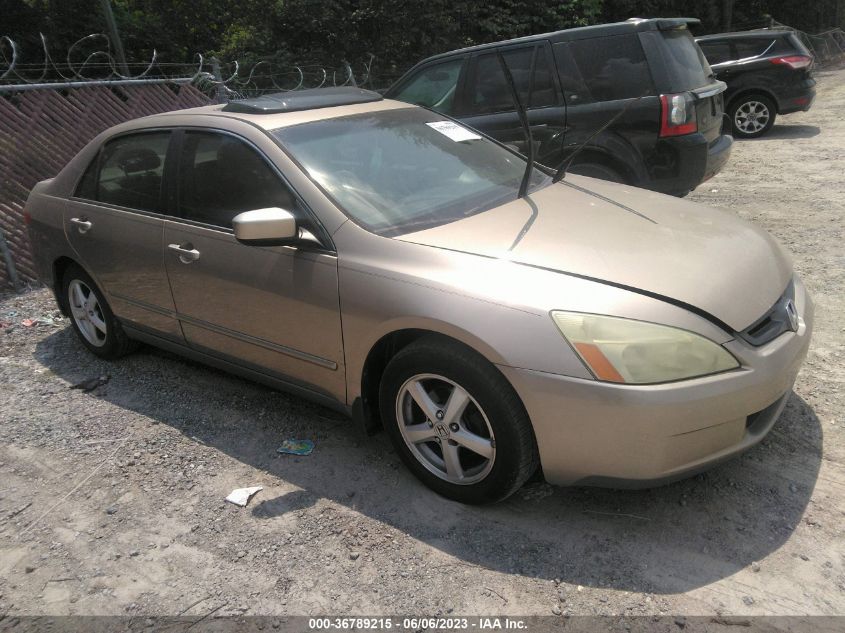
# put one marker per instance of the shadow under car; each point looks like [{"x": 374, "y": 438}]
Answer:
[{"x": 663, "y": 540}]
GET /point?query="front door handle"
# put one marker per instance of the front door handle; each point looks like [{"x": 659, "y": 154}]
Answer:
[
  {"x": 186, "y": 252},
  {"x": 82, "y": 225}
]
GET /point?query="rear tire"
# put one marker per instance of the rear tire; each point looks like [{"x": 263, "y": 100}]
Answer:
[
  {"x": 471, "y": 439},
  {"x": 91, "y": 316},
  {"x": 597, "y": 170},
  {"x": 752, "y": 116}
]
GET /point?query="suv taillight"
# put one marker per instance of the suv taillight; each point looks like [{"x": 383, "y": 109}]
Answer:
[
  {"x": 677, "y": 115},
  {"x": 795, "y": 62},
  {"x": 27, "y": 218}
]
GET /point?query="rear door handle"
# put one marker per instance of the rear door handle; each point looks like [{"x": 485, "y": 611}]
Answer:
[
  {"x": 186, "y": 253},
  {"x": 82, "y": 225}
]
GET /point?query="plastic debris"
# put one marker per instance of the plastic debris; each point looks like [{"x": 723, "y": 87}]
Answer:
[
  {"x": 241, "y": 496},
  {"x": 38, "y": 321},
  {"x": 91, "y": 383},
  {"x": 296, "y": 447}
]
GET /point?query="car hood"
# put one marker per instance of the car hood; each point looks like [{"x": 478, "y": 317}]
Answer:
[{"x": 658, "y": 245}]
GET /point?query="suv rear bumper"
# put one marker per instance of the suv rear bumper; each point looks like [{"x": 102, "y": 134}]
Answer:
[
  {"x": 689, "y": 161},
  {"x": 799, "y": 100}
]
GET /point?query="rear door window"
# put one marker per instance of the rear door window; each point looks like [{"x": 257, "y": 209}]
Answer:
[
  {"x": 220, "y": 176},
  {"x": 717, "y": 52},
  {"x": 489, "y": 91},
  {"x": 128, "y": 172},
  {"x": 433, "y": 87},
  {"x": 611, "y": 68}
]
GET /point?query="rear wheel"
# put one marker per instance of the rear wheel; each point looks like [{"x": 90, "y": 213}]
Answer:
[
  {"x": 456, "y": 422},
  {"x": 752, "y": 116},
  {"x": 92, "y": 319},
  {"x": 597, "y": 170}
]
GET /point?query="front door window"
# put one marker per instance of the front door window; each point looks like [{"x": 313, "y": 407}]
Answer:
[{"x": 434, "y": 87}]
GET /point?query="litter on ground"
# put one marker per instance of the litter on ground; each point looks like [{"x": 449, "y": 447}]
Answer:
[
  {"x": 296, "y": 447},
  {"x": 91, "y": 383},
  {"x": 241, "y": 496}
]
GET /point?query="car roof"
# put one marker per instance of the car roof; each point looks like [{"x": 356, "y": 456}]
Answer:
[
  {"x": 632, "y": 25},
  {"x": 284, "y": 109},
  {"x": 761, "y": 33}
]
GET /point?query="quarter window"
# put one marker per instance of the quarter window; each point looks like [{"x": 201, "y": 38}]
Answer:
[
  {"x": 490, "y": 91},
  {"x": 128, "y": 172},
  {"x": 434, "y": 87},
  {"x": 221, "y": 176}
]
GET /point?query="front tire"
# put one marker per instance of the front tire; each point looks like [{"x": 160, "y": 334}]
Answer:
[
  {"x": 752, "y": 116},
  {"x": 91, "y": 316},
  {"x": 456, "y": 422}
]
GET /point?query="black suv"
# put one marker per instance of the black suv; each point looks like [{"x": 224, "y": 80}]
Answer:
[
  {"x": 669, "y": 139},
  {"x": 767, "y": 72}
]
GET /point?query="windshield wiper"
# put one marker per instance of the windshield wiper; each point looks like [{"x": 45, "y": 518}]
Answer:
[
  {"x": 567, "y": 162},
  {"x": 523, "y": 116}
]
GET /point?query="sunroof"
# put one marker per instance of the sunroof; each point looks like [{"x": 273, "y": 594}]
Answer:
[{"x": 295, "y": 100}]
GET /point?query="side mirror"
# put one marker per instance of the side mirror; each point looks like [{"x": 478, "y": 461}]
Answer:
[{"x": 266, "y": 227}]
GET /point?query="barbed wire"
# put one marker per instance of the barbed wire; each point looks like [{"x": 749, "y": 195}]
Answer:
[{"x": 90, "y": 60}]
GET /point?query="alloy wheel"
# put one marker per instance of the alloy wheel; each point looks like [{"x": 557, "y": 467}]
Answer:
[
  {"x": 751, "y": 117},
  {"x": 445, "y": 429},
  {"x": 87, "y": 313}
]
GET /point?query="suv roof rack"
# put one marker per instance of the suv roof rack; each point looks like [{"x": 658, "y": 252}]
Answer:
[{"x": 296, "y": 100}]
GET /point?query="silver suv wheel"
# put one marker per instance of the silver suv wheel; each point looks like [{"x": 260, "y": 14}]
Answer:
[{"x": 752, "y": 117}]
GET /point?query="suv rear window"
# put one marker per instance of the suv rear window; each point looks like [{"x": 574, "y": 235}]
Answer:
[{"x": 685, "y": 63}]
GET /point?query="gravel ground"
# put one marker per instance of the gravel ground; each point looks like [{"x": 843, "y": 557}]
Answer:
[{"x": 111, "y": 502}]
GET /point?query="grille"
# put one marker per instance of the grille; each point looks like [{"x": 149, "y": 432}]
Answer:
[{"x": 774, "y": 323}]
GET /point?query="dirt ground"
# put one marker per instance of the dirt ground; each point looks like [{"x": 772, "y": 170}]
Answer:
[{"x": 111, "y": 502}]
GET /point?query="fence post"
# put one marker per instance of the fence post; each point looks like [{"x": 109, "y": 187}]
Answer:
[
  {"x": 114, "y": 36},
  {"x": 222, "y": 97},
  {"x": 10, "y": 263}
]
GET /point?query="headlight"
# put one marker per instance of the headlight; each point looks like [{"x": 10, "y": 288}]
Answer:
[{"x": 636, "y": 352}]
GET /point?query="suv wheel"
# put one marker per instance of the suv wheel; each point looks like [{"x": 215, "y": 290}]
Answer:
[
  {"x": 92, "y": 319},
  {"x": 752, "y": 116},
  {"x": 456, "y": 422},
  {"x": 597, "y": 170}
]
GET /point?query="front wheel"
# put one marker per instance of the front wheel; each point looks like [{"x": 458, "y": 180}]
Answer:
[
  {"x": 752, "y": 116},
  {"x": 456, "y": 422}
]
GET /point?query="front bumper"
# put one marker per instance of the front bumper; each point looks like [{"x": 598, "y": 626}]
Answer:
[{"x": 594, "y": 433}]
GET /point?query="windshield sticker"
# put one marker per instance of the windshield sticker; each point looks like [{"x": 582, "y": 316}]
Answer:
[{"x": 454, "y": 131}]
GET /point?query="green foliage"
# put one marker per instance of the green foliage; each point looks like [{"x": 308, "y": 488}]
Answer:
[{"x": 327, "y": 32}]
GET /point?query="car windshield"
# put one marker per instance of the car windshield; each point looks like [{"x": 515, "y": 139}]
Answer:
[{"x": 396, "y": 171}]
